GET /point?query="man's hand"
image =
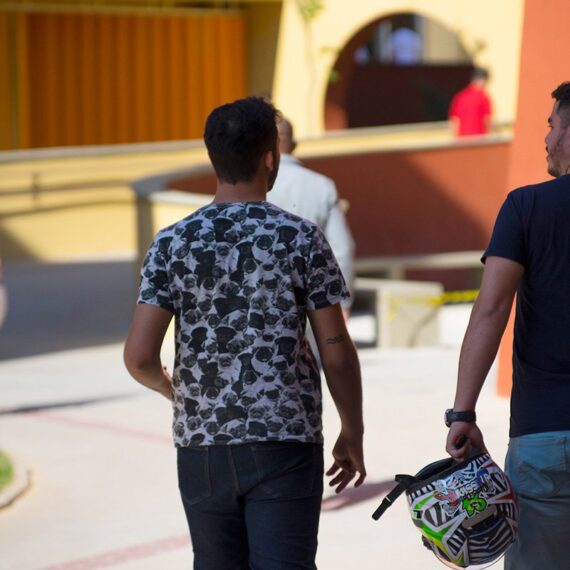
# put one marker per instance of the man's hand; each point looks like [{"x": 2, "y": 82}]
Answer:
[
  {"x": 461, "y": 438},
  {"x": 348, "y": 461},
  {"x": 166, "y": 386}
]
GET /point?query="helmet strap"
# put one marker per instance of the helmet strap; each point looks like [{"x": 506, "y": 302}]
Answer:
[{"x": 404, "y": 483}]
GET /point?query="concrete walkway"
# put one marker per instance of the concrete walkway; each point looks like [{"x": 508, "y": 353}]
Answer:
[{"x": 104, "y": 491}]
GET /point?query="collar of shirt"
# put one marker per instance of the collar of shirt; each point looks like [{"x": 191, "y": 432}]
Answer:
[{"x": 290, "y": 159}]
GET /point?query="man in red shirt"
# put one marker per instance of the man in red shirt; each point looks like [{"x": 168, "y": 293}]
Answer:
[{"x": 470, "y": 109}]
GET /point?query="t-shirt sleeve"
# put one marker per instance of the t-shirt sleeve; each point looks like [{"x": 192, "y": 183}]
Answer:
[
  {"x": 326, "y": 285},
  {"x": 154, "y": 285},
  {"x": 508, "y": 238}
]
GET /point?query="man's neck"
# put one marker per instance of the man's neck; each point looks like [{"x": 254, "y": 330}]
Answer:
[{"x": 253, "y": 191}]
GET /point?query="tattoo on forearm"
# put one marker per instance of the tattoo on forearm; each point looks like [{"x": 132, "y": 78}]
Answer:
[{"x": 336, "y": 339}]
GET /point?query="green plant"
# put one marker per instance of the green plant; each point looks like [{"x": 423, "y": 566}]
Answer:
[
  {"x": 6, "y": 470},
  {"x": 310, "y": 8}
]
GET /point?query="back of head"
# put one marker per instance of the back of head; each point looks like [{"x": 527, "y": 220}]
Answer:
[
  {"x": 237, "y": 135},
  {"x": 562, "y": 95},
  {"x": 480, "y": 75},
  {"x": 287, "y": 142}
]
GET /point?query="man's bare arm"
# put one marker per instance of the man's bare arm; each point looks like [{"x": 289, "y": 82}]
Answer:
[
  {"x": 142, "y": 348},
  {"x": 342, "y": 372},
  {"x": 486, "y": 326}
]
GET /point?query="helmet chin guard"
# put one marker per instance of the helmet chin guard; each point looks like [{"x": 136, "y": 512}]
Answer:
[{"x": 467, "y": 512}]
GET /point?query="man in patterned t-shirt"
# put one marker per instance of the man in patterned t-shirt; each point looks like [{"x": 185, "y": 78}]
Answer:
[{"x": 241, "y": 277}]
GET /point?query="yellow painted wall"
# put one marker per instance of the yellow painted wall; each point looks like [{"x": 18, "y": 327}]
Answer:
[
  {"x": 171, "y": 206},
  {"x": 91, "y": 78},
  {"x": 263, "y": 23},
  {"x": 307, "y": 51},
  {"x": 64, "y": 224},
  {"x": 64, "y": 207}
]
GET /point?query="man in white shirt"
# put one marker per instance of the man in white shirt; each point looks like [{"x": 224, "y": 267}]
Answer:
[{"x": 314, "y": 197}]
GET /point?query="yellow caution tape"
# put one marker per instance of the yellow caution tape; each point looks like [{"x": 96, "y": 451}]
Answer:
[
  {"x": 451, "y": 297},
  {"x": 446, "y": 298}
]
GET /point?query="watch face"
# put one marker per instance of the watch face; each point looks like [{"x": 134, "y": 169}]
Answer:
[{"x": 446, "y": 417}]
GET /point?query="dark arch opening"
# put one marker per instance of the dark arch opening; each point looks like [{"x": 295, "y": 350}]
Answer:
[{"x": 399, "y": 69}]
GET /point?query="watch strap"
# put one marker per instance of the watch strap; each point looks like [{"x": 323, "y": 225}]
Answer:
[{"x": 452, "y": 416}]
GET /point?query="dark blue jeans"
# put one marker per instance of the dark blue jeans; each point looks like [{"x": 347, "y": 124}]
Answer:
[{"x": 252, "y": 506}]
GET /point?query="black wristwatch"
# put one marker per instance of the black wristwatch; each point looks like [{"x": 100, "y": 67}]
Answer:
[{"x": 451, "y": 416}]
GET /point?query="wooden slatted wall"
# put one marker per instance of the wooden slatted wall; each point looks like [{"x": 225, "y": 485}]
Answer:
[{"x": 105, "y": 79}]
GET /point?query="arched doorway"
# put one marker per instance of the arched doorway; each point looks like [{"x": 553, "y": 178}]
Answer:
[{"x": 402, "y": 68}]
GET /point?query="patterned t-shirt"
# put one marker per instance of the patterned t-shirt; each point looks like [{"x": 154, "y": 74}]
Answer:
[{"x": 239, "y": 278}]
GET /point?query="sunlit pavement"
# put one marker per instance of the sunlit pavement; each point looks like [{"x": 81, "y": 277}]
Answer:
[{"x": 104, "y": 492}]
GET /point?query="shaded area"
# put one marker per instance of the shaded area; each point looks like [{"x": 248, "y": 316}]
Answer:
[
  {"x": 59, "y": 405},
  {"x": 354, "y": 495},
  {"x": 61, "y": 306},
  {"x": 13, "y": 247},
  {"x": 380, "y": 94},
  {"x": 432, "y": 200},
  {"x": 379, "y": 91}
]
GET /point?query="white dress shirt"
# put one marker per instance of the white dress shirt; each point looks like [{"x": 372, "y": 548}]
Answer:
[{"x": 314, "y": 197}]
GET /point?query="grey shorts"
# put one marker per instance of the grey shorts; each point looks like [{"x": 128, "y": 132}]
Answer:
[{"x": 538, "y": 466}]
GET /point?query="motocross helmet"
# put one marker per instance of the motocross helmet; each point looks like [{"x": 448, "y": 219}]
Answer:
[{"x": 467, "y": 512}]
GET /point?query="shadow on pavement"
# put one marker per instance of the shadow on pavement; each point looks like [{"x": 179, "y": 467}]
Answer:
[
  {"x": 353, "y": 495},
  {"x": 58, "y": 405},
  {"x": 61, "y": 306}
]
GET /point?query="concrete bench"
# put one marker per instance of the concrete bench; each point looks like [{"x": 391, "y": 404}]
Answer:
[
  {"x": 395, "y": 267},
  {"x": 405, "y": 312}
]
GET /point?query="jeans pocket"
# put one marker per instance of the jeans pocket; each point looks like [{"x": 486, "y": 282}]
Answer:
[
  {"x": 194, "y": 474},
  {"x": 537, "y": 465},
  {"x": 289, "y": 470}
]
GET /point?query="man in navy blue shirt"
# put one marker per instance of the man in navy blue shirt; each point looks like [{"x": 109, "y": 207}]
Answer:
[{"x": 528, "y": 254}]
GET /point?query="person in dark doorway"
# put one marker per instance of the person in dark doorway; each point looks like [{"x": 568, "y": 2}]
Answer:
[
  {"x": 470, "y": 111},
  {"x": 406, "y": 46},
  {"x": 528, "y": 254},
  {"x": 241, "y": 276}
]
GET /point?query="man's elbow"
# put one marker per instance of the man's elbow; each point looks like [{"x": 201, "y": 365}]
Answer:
[
  {"x": 137, "y": 362},
  {"x": 343, "y": 360}
]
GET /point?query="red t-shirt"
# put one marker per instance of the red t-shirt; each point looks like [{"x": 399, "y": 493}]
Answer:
[{"x": 471, "y": 107}]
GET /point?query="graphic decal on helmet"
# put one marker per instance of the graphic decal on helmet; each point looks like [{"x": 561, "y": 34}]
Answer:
[{"x": 466, "y": 512}]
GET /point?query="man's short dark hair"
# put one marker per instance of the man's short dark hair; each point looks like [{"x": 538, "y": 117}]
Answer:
[
  {"x": 562, "y": 95},
  {"x": 479, "y": 74},
  {"x": 238, "y": 134}
]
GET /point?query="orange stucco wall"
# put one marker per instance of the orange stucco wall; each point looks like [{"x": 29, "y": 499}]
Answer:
[
  {"x": 423, "y": 201},
  {"x": 544, "y": 65}
]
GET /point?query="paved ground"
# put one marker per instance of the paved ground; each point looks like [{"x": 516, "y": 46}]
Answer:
[{"x": 104, "y": 489}]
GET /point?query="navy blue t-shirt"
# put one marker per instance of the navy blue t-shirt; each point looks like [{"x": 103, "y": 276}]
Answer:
[{"x": 533, "y": 229}]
